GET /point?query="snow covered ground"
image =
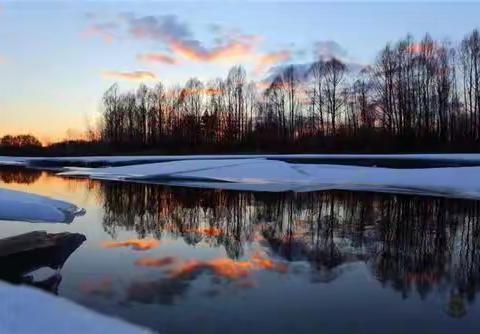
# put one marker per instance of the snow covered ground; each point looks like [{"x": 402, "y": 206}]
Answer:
[
  {"x": 272, "y": 175},
  {"x": 21, "y": 206},
  {"x": 24, "y": 161},
  {"x": 20, "y": 313},
  {"x": 272, "y": 172}
]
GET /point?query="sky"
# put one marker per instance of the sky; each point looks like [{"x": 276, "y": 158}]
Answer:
[{"x": 57, "y": 58}]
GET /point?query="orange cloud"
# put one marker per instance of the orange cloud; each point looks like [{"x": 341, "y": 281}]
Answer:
[
  {"x": 263, "y": 262},
  {"x": 181, "y": 41},
  {"x": 212, "y": 231},
  {"x": 221, "y": 267},
  {"x": 129, "y": 76},
  {"x": 270, "y": 59},
  {"x": 154, "y": 58},
  {"x": 148, "y": 262},
  {"x": 227, "y": 268},
  {"x": 2, "y": 60},
  {"x": 230, "y": 52},
  {"x": 136, "y": 244},
  {"x": 417, "y": 48}
]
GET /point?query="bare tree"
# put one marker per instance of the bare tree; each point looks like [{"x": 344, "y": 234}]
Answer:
[{"x": 334, "y": 77}]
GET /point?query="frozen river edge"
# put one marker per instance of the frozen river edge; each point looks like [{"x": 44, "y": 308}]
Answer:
[
  {"x": 261, "y": 174},
  {"x": 277, "y": 173},
  {"x": 386, "y": 160}
]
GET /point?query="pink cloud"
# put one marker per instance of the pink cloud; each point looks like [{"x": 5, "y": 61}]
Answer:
[
  {"x": 267, "y": 60},
  {"x": 105, "y": 31},
  {"x": 423, "y": 48},
  {"x": 229, "y": 47},
  {"x": 129, "y": 76},
  {"x": 154, "y": 58},
  {"x": 180, "y": 40},
  {"x": 229, "y": 52}
]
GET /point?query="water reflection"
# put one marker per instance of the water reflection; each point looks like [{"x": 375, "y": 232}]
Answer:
[
  {"x": 157, "y": 256},
  {"x": 136, "y": 244},
  {"x": 19, "y": 175},
  {"x": 413, "y": 245},
  {"x": 181, "y": 274},
  {"x": 103, "y": 287}
]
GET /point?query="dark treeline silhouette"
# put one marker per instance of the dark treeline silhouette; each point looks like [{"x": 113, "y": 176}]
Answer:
[
  {"x": 416, "y": 96},
  {"x": 20, "y": 141},
  {"x": 25, "y": 143},
  {"x": 413, "y": 245}
]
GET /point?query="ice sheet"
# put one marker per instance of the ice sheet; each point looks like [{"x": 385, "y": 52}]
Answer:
[
  {"x": 28, "y": 310},
  {"x": 272, "y": 175},
  {"x": 21, "y": 206}
]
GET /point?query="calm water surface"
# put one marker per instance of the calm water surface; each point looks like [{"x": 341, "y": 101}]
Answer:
[{"x": 182, "y": 260}]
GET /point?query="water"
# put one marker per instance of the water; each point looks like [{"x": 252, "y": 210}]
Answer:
[{"x": 182, "y": 260}]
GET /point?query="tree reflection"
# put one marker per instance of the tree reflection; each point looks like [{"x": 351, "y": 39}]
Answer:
[
  {"x": 414, "y": 245},
  {"x": 19, "y": 175}
]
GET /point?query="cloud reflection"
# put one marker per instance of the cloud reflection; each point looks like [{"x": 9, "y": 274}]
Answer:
[
  {"x": 179, "y": 277},
  {"x": 149, "y": 262},
  {"x": 220, "y": 267},
  {"x": 102, "y": 287},
  {"x": 136, "y": 244}
]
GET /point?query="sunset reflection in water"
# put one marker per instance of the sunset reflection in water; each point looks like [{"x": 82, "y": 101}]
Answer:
[{"x": 181, "y": 250}]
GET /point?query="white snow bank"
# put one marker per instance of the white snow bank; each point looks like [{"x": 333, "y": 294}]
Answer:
[
  {"x": 272, "y": 175},
  {"x": 155, "y": 170},
  {"x": 21, "y": 206},
  {"x": 461, "y": 182},
  {"x": 12, "y": 161},
  {"x": 28, "y": 310},
  {"x": 22, "y": 161}
]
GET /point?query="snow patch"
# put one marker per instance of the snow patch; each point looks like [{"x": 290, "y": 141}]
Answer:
[
  {"x": 109, "y": 160},
  {"x": 155, "y": 170},
  {"x": 27, "y": 310},
  {"x": 21, "y": 206},
  {"x": 273, "y": 175}
]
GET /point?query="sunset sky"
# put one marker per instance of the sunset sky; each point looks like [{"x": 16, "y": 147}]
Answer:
[{"x": 57, "y": 58}]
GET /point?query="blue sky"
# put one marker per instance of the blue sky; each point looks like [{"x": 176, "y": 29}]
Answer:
[{"x": 57, "y": 58}]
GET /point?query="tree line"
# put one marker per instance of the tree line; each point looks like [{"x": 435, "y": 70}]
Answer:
[
  {"x": 20, "y": 141},
  {"x": 416, "y": 95},
  {"x": 20, "y": 144}
]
